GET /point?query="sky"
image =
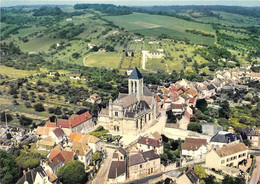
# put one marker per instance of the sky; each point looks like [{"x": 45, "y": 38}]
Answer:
[{"x": 5, "y": 3}]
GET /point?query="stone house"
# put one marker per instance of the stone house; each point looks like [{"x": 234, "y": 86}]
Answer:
[
  {"x": 144, "y": 164},
  {"x": 145, "y": 144},
  {"x": 227, "y": 156},
  {"x": 194, "y": 148}
]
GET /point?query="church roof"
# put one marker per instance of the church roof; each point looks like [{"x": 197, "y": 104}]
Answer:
[{"x": 135, "y": 74}]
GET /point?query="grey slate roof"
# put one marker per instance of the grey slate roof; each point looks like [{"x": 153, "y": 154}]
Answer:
[
  {"x": 31, "y": 175},
  {"x": 192, "y": 176},
  {"x": 224, "y": 137},
  {"x": 117, "y": 168},
  {"x": 147, "y": 92},
  {"x": 135, "y": 74},
  {"x": 142, "y": 157}
]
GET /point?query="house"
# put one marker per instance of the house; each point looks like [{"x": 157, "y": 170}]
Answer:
[
  {"x": 83, "y": 152},
  {"x": 69, "y": 19},
  {"x": 58, "y": 135},
  {"x": 130, "y": 53},
  {"x": 117, "y": 172},
  {"x": 95, "y": 98},
  {"x": 92, "y": 141},
  {"x": 138, "y": 39},
  {"x": 188, "y": 177},
  {"x": 119, "y": 154},
  {"x": 227, "y": 156},
  {"x": 79, "y": 122},
  {"x": 255, "y": 76},
  {"x": 177, "y": 109},
  {"x": 252, "y": 135},
  {"x": 153, "y": 41},
  {"x": 75, "y": 76},
  {"x": 91, "y": 45},
  {"x": 46, "y": 143},
  {"x": 156, "y": 135},
  {"x": 56, "y": 161},
  {"x": 156, "y": 53},
  {"x": 194, "y": 148},
  {"x": 34, "y": 176},
  {"x": 143, "y": 164},
  {"x": 223, "y": 138},
  {"x": 146, "y": 144},
  {"x": 44, "y": 132},
  {"x": 210, "y": 129},
  {"x": 49, "y": 124}
]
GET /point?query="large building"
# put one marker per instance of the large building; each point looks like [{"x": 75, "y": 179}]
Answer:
[
  {"x": 227, "y": 156},
  {"x": 133, "y": 111}
]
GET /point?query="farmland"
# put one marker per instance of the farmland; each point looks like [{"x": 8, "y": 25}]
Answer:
[{"x": 155, "y": 25}]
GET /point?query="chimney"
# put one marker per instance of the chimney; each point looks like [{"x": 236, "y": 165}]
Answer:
[
  {"x": 24, "y": 172},
  {"x": 146, "y": 140}
]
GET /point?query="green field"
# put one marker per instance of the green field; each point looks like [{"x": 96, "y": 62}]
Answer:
[
  {"x": 155, "y": 25},
  {"x": 108, "y": 60}
]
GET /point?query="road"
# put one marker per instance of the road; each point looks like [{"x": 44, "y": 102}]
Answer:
[
  {"x": 144, "y": 58},
  {"x": 102, "y": 174},
  {"x": 256, "y": 173}
]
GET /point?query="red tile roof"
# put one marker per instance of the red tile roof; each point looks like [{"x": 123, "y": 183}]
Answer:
[
  {"x": 74, "y": 120},
  {"x": 192, "y": 100},
  {"x": 149, "y": 141},
  {"x": 173, "y": 88},
  {"x": 49, "y": 124},
  {"x": 157, "y": 98}
]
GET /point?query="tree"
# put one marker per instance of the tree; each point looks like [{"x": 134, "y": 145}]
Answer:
[
  {"x": 25, "y": 121},
  {"x": 51, "y": 110},
  {"x": 75, "y": 55},
  {"x": 200, "y": 171},
  {"x": 202, "y": 105},
  {"x": 57, "y": 111},
  {"x": 27, "y": 104},
  {"x": 194, "y": 126},
  {"x": 96, "y": 157},
  {"x": 39, "y": 107},
  {"x": 28, "y": 159},
  {"x": 72, "y": 172},
  {"x": 210, "y": 179},
  {"x": 6, "y": 117},
  {"x": 224, "y": 111},
  {"x": 9, "y": 169},
  {"x": 196, "y": 66}
]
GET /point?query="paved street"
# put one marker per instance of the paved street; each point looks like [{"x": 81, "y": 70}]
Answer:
[
  {"x": 102, "y": 174},
  {"x": 256, "y": 172}
]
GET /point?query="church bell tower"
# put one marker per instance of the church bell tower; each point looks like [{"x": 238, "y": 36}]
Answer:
[{"x": 135, "y": 83}]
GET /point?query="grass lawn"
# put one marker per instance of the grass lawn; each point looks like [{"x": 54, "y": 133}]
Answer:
[
  {"x": 14, "y": 73},
  {"x": 109, "y": 60}
]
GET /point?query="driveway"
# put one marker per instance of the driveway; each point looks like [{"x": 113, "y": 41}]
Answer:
[{"x": 102, "y": 174}]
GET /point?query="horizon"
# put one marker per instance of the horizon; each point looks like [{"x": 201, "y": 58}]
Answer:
[{"x": 243, "y": 3}]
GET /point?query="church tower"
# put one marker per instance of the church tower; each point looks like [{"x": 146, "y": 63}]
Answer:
[{"x": 135, "y": 83}]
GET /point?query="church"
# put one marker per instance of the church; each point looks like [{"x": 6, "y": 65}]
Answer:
[{"x": 130, "y": 112}]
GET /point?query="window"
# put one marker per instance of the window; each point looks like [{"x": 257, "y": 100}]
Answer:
[
  {"x": 222, "y": 161},
  {"x": 116, "y": 113},
  {"x": 141, "y": 166}
]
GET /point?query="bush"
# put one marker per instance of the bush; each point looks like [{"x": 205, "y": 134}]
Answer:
[
  {"x": 194, "y": 126},
  {"x": 51, "y": 110},
  {"x": 25, "y": 121},
  {"x": 28, "y": 105},
  {"x": 39, "y": 107}
]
